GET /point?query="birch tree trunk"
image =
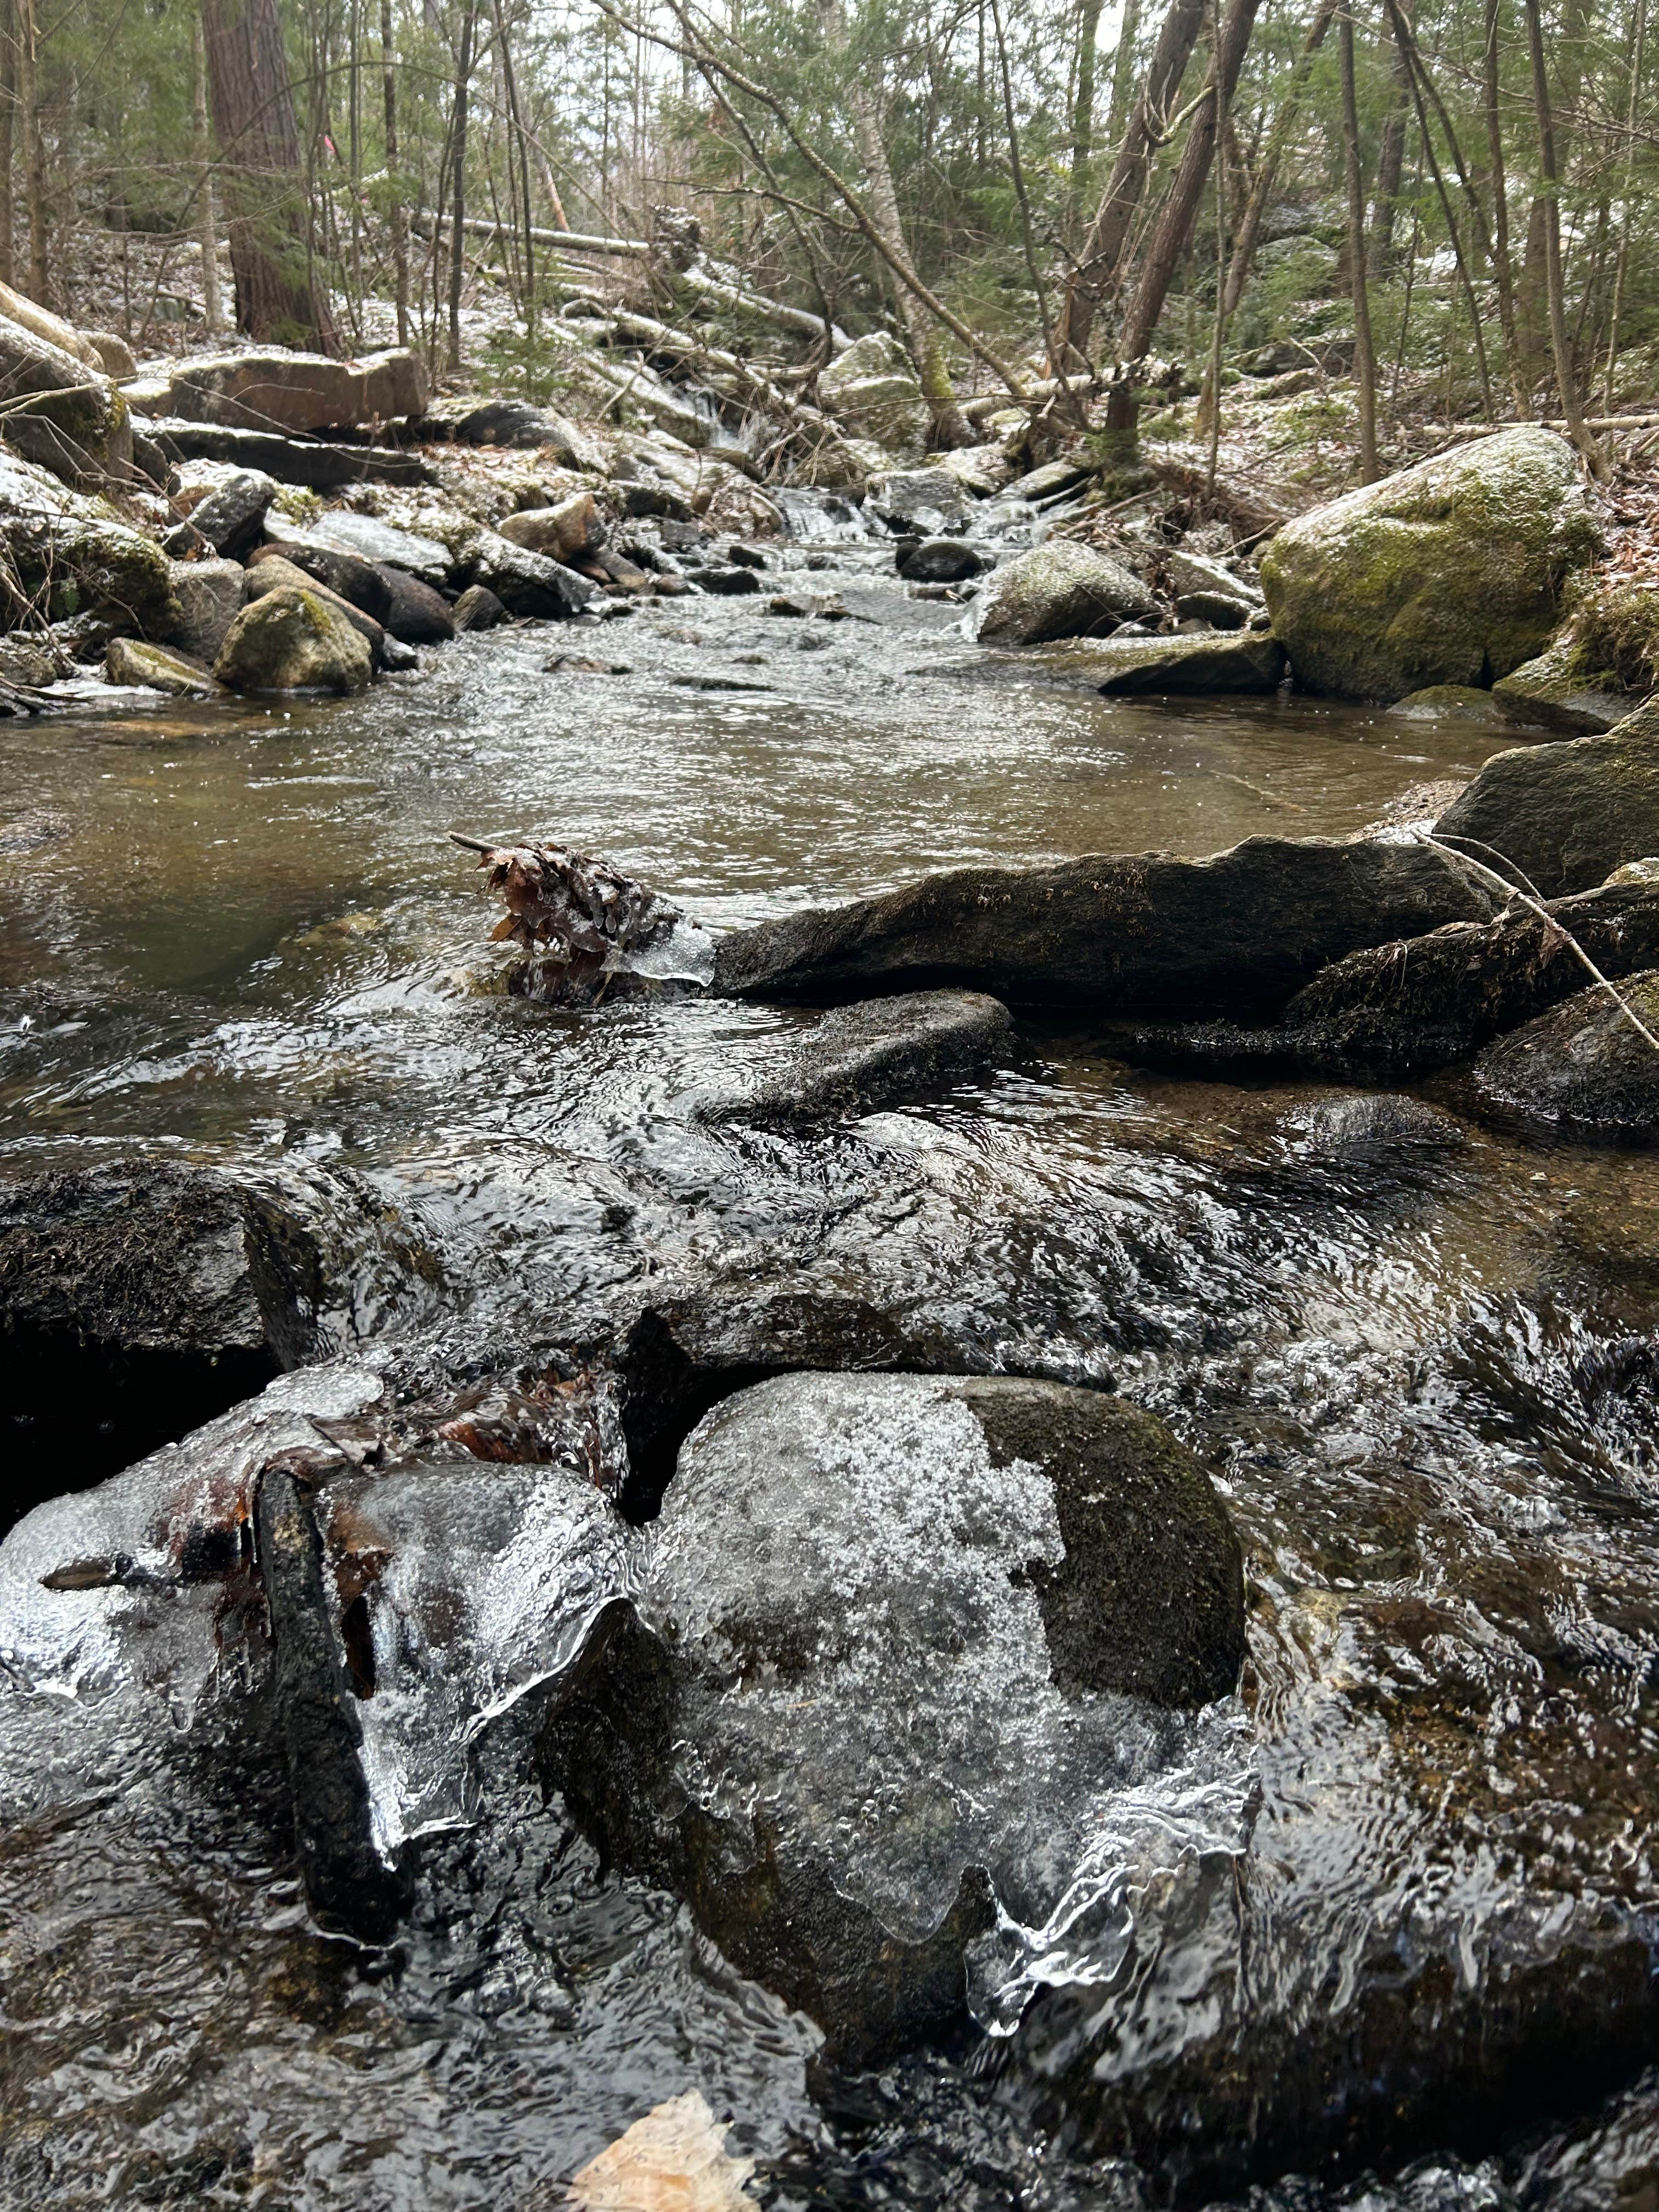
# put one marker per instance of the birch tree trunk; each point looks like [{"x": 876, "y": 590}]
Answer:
[{"x": 458, "y": 187}]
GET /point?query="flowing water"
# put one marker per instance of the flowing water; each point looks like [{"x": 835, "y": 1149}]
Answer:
[{"x": 1421, "y": 1367}]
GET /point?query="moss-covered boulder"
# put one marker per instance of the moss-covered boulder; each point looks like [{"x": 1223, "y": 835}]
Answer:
[
  {"x": 157, "y": 668},
  {"x": 60, "y": 412},
  {"x": 1452, "y": 572},
  {"x": 1566, "y": 814},
  {"x": 68, "y": 553},
  {"x": 291, "y": 639},
  {"x": 899, "y": 1641}
]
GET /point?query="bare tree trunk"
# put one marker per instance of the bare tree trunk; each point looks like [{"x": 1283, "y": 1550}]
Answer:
[
  {"x": 949, "y": 425},
  {"x": 516, "y": 115},
  {"x": 1622, "y": 260},
  {"x": 399, "y": 213},
  {"x": 1566, "y": 381},
  {"x": 1532, "y": 297},
  {"x": 1082, "y": 107},
  {"x": 8, "y": 135},
  {"x": 1097, "y": 266},
  {"x": 1365, "y": 360},
  {"x": 1278, "y": 139},
  {"x": 458, "y": 187},
  {"x": 267, "y": 218},
  {"x": 1174, "y": 228},
  {"x": 1500, "y": 210},
  {"x": 1123, "y": 71},
  {"x": 34, "y": 165},
  {"x": 1391, "y": 155},
  {"x": 212, "y": 305}
]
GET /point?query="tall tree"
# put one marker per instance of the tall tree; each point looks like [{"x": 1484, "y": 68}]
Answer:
[
  {"x": 1365, "y": 359},
  {"x": 268, "y": 221},
  {"x": 207, "y": 229},
  {"x": 34, "y": 159},
  {"x": 1549, "y": 194},
  {"x": 1149, "y": 126},
  {"x": 458, "y": 181},
  {"x": 398, "y": 215},
  {"x": 1083, "y": 104}
]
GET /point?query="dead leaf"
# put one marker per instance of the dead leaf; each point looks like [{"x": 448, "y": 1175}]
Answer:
[{"x": 672, "y": 2161}]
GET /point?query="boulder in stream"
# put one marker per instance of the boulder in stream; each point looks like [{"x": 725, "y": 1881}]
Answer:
[
  {"x": 229, "y": 521},
  {"x": 1584, "y": 1069},
  {"x": 526, "y": 583},
  {"x": 896, "y": 1640},
  {"x": 1121, "y": 933},
  {"x": 568, "y": 530},
  {"x": 1553, "y": 692},
  {"x": 1566, "y": 814},
  {"x": 941, "y": 561},
  {"x": 347, "y": 575},
  {"x": 416, "y": 614},
  {"x": 292, "y": 640},
  {"x": 210, "y": 597},
  {"x": 135, "y": 1302},
  {"x": 477, "y": 608},
  {"x": 1248, "y": 661},
  {"x": 1451, "y": 572},
  {"x": 370, "y": 539},
  {"x": 277, "y": 575},
  {"x": 155, "y": 668},
  {"x": 873, "y": 389},
  {"x": 1059, "y": 590}
]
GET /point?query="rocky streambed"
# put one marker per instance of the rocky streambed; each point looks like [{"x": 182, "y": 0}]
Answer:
[{"x": 1041, "y": 1631}]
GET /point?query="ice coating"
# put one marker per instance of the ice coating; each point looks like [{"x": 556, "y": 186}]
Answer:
[
  {"x": 481, "y": 1584},
  {"x": 870, "y": 1670}
]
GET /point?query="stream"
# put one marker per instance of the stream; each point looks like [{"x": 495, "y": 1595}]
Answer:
[{"x": 1421, "y": 1366}]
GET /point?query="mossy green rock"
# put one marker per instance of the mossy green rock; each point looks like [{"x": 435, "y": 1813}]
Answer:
[
  {"x": 157, "y": 669},
  {"x": 1553, "y": 692},
  {"x": 293, "y": 641},
  {"x": 1451, "y": 572},
  {"x": 69, "y": 553}
]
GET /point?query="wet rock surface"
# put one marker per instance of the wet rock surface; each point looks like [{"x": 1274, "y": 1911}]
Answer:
[
  {"x": 861, "y": 1057},
  {"x": 292, "y": 639},
  {"x": 1566, "y": 814},
  {"x": 1128, "y": 934},
  {"x": 1049, "y": 1563},
  {"x": 1059, "y": 590},
  {"x": 1585, "y": 1068}
]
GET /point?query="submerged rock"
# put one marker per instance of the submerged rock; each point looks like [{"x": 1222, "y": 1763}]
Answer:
[
  {"x": 135, "y": 1303},
  {"x": 862, "y": 1057},
  {"x": 290, "y": 639},
  {"x": 898, "y": 1638},
  {"x": 1584, "y": 1068},
  {"x": 477, "y": 608},
  {"x": 1125, "y": 933},
  {"x": 1059, "y": 590},
  {"x": 1451, "y": 572},
  {"x": 1467, "y": 700},
  {"x": 674, "y": 2159},
  {"x": 1566, "y": 814}
]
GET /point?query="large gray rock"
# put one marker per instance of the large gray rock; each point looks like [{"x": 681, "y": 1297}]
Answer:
[
  {"x": 1566, "y": 814},
  {"x": 70, "y": 556},
  {"x": 928, "y": 501},
  {"x": 1059, "y": 590},
  {"x": 899, "y": 1640},
  {"x": 1584, "y": 1069},
  {"x": 348, "y": 575},
  {"x": 1124, "y": 933},
  {"x": 61, "y": 412},
  {"x": 310, "y": 462},
  {"x": 292, "y": 640},
  {"x": 210, "y": 597},
  {"x": 271, "y": 388},
  {"x": 568, "y": 530},
  {"x": 279, "y": 575},
  {"x": 1451, "y": 572},
  {"x": 155, "y": 668},
  {"x": 859, "y": 1058},
  {"x": 1246, "y": 661},
  {"x": 528, "y": 583},
  {"x": 872, "y": 390},
  {"x": 370, "y": 540},
  {"x": 229, "y": 521}
]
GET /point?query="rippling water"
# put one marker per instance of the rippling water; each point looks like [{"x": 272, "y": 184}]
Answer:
[{"x": 1422, "y": 1371}]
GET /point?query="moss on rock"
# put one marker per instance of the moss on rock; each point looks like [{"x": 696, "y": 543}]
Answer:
[{"x": 1452, "y": 572}]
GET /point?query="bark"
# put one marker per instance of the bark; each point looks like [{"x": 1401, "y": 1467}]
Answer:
[
  {"x": 1621, "y": 263},
  {"x": 516, "y": 115},
  {"x": 34, "y": 166},
  {"x": 949, "y": 427},
  {"x": 1278, "y": 141},
  {"x": 1532, "y": 293},
  {"x": 1391, "y": 155},
  {"x": 1578, "y": 429},
  {"x": 458, "y": 186},
  {"x": 1083, "y": 105},
  {"x": 8, "y": 135},
  {"x": 1365, "y": 359},
  {"x": 398, "y": 214},
  {"x": 212, "y": 305},
  {"x": 1123, "y": 71},
  {"x": 267, "y": 218},
  {"x": 1096, "y": 268},
  {"x": 1173, "y": 231},
  {"x": 1500, "y": 209}
]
